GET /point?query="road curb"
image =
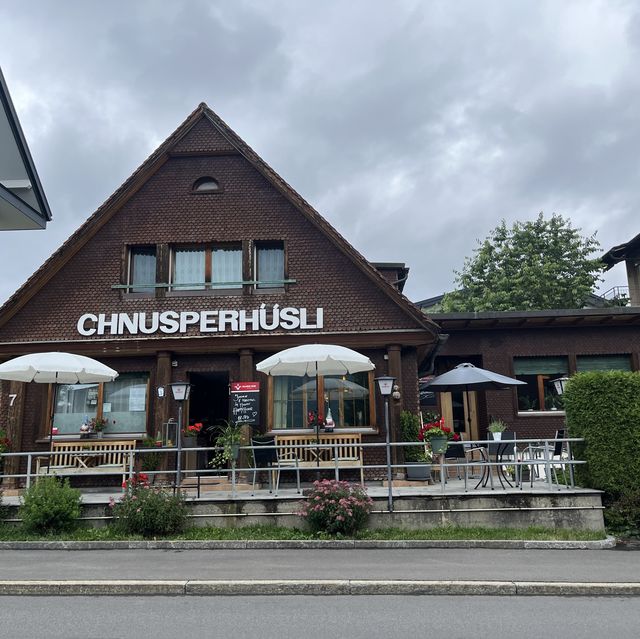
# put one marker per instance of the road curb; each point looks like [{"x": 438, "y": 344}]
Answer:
[
  {"x": 311, "y": 544},
  {"x": 313, "y": 587}
]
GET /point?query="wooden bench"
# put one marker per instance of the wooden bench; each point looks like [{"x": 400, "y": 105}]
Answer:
[
  {"x": 100, "y": 457},
  {"x": 329, "y": 450}
]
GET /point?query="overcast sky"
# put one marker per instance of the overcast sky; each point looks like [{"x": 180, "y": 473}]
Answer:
[{"x": 414, "y": 127}]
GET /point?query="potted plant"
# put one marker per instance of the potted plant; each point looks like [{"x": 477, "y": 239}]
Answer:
[
  {"x": 229, "y": 439},
  {"x": 150, "y": 462},
  {"x": 419, "y": 469},
  {"x": 496, "y": 428},
  {"x": 417, "y": 458},
  {"x": 438, "y": 435},
  {"x": 97, "y": 425},
  {"x": 190, "y": 435}
]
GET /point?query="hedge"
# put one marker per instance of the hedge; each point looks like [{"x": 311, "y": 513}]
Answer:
[{"x": 604, "y": 409}]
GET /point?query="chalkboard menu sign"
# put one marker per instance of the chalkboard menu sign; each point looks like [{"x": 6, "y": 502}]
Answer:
[{"x": 244, "y": 402}]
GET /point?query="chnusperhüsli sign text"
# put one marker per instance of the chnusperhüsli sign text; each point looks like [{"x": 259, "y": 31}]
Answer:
[{"x": 219, "y": 321}]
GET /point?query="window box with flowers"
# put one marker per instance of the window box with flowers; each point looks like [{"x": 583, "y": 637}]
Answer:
[
  {"x": 190, "y": 435},
  {"x": 437, "y": 435}
]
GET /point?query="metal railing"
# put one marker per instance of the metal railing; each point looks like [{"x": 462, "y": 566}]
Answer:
[{"x": 534, "y": 455}]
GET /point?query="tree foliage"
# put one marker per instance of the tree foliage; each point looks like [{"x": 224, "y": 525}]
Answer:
[{"x": 534, "y": 265}]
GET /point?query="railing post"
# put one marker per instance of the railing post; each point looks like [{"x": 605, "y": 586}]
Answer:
[
  {"x": 547, "y": 464},
  {"x": 570, "y": 457},
  {"x": 29, "y": 456}
]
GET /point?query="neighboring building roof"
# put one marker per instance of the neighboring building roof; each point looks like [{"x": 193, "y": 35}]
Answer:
[
  {"x": 573, "y": 318},
  {"x": 431, "y": 303},
  {"x": 627, "y": 251},
  {"x": 23, "y": 204},
  {"x": 171, "y": 148}
]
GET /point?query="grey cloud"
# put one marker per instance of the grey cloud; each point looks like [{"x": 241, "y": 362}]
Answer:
[{"x": 414, "y": 128}]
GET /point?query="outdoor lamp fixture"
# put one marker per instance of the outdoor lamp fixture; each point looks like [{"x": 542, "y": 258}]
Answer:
[
  {"x": 560, "y": 384},
  {"x": 385, "y": 386},
  {"x": 181, "y": 392}
]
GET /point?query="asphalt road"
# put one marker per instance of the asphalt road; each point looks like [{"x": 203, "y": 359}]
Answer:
[
  {"x": 429, "y": 564},
  {"x": 314, "y": 617}
]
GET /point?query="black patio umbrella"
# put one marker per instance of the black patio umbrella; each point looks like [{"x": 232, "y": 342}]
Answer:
[{"x": 467, "y": 377}]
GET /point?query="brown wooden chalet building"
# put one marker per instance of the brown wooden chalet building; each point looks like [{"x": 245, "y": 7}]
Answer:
[{"x": 203, "y": 263}]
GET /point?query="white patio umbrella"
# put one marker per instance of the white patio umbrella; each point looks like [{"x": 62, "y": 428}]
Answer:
[
  {"x": 56, "y": 368},
  {"x": 315, "y": 360}
]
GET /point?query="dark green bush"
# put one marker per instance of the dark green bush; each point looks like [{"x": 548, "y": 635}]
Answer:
[
  {"x": 148, "y": 511},
  {"x": 409, "y": 429},
  {"x": 604, "y": 409},
  {"x": 622, "y": 516},
  {"x": 50, "y": 505},
  {"x": 150, "y": 462}
]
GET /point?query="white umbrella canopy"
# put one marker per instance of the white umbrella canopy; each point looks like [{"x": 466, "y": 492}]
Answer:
[
  {"x": 314, "y": 360},
  {"x": 56, "y": 368}
]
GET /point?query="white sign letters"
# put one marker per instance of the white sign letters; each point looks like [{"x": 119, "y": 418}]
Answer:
[{"x": 170, "y": 322}]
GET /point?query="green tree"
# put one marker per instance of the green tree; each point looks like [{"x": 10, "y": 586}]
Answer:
[{"x": 532, "y": 265}]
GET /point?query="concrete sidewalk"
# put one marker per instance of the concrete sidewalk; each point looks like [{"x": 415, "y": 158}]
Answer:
[{"x": 346, "y": 571}]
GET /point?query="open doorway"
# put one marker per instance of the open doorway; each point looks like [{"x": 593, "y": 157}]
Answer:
[{"x": 208, "y": 404}]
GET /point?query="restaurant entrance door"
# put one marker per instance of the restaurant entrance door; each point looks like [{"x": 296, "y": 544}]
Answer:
[
  {"x": 208, "y": 405},
  {"x": 461, "y": 412}
]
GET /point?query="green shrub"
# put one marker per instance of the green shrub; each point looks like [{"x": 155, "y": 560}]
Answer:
[
  {"x": 623, "y": 515},
  {"x": 604, "y": 409},
  {"x": 409, "y": 429},
  {"x": 148, "y": 511},
  {"x": 336, "y": 507},
  {"x": 150, "y": 462},
  {"x": 50, "y": 505}
]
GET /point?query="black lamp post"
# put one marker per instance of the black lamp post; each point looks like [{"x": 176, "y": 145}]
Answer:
[
  {"x": 385, "y": 386},
  {"x": 181, "y": 392}
]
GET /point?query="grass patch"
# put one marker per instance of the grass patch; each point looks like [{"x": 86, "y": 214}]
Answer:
[{"x": 10, "y": 533}]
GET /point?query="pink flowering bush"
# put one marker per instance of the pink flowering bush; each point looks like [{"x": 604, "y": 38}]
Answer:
[
  {"x": 336, "y": 507},
  {"x": 147, "y": 510}
]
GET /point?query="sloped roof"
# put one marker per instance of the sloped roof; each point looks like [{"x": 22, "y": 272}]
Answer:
[
  {"x": 104, "y": 212},
  {"x": 23, "y": 204},
  {"x": 625, "y": 251}
]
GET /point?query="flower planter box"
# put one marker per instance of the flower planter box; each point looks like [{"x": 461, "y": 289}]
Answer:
[{"x": 418, "y": 471}]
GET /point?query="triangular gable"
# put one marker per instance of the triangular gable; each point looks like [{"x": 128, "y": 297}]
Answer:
[{"x": 202, "y": 132}]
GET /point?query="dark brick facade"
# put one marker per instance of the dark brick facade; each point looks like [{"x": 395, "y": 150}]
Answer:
[
  {"x": 157, "y": 206},
  {"x": 608, "y": 332}
]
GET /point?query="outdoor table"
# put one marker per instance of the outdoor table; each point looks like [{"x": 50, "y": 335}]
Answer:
[{"x": 494, "y": 452}]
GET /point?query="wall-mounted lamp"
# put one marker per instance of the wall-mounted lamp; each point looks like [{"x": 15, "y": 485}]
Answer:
[{"x": 560, "y": 384}]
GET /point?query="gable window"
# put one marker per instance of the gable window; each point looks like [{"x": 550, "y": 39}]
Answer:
[
  {"x": 206, "y": 184},
  {"x": 539, "y": 372},
  {"x": 207, "y": 268},
  {"x": 269, "y": 264},
  {"x": 142, "y": 269},
  {"x": 188, "y": 269}
]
